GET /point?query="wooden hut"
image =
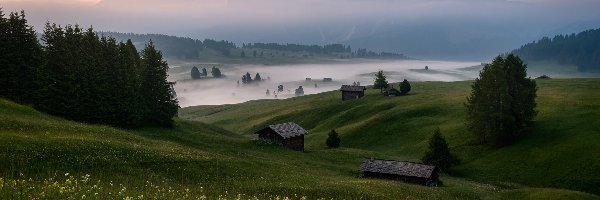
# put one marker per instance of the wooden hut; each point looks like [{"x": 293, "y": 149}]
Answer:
[
  {"x": 352, "y": 92},
  {"x": 400, "y": 170},
  {"x": 289, "y": 135}
]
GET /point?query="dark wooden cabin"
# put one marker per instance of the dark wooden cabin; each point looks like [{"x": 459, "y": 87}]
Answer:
[
  {"x": 289, "y": 135},
  {"x": 350, "y": 92},
  {"x": 400, "y": 170}
]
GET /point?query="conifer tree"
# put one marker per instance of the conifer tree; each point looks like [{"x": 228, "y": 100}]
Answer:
[
  {"x": 439, "y": 154},
  {"x": 129, "y": 107},
  {"x": 333, "y": 140},
  {"x": 248, "y": 77},
  {"x": 195, "y": 73},
  {"x": 21, "y": 59},
  {"x": 404, "y": 87},
  {"x": 380, "y": 81},
  {"x": 216, "y": 72},
  {"x": 257, "y": 77},
  {"x": 160, "y": 105},
  {"x": 204, "y": 73}
]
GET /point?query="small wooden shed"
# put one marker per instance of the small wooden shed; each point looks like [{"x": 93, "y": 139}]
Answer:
[
  {"x": 400, "y": 170},
  {"x": 289, "y": 135},
  {"x": 352, "y": 92}
]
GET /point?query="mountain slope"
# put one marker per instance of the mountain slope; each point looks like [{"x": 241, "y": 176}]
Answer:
[{"x": 581, "y": 50}]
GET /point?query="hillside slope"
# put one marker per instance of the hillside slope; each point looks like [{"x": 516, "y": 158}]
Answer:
[
  {"x": 44, "y": 157},
  {"x": 561, "y": 151}
]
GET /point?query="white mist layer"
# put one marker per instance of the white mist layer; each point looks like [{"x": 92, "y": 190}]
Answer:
[{"x": 212, "y": 91}]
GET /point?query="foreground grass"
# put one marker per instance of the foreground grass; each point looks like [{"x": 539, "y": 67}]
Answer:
[
  {"x": 50, "y": 158},
  {"x": 45, "y": 157}
]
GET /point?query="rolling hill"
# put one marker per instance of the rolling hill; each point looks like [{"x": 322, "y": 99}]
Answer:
[{"x": 211, "y": 152}]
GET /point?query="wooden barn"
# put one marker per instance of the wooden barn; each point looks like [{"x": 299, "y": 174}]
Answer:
[
  {"x": 400, "y": 170},
  {"x": 289, "y": 135},
  {"x": 352, "y": 92}
]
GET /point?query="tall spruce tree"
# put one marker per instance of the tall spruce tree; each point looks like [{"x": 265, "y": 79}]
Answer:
[
  {"x": 21, "y": 59},
  {"x": 160, "y": 104},
  {"x": 380, "y": 81},
  {"x": 128, "y": 107},
  {"x": 502, "y": 102},
  {"x": 62, "y": 85}
]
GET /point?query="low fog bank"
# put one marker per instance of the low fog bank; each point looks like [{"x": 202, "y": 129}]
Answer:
[{"x": 213, "y": 91}]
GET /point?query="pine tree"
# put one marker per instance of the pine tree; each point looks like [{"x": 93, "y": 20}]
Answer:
[
  {"x": 21, "y": 60},
  {"x": 380, "y": 81},
  {"x": 160, "y": 105},
  {"x": 128, "y": 109},
  {"x": 204, "y": 73},
  {"x": 439, "y": 154},
  {"x": 248, "y": 77},
  {"x": 333, "y": 140},
  {"x": 216, "y": 72},
  {"x": 502, "y": 102},
  {"x": 404, "y": 87},
  {"x": 61, "y": 71},
  {"x": 195, "y": 73},
  {"x": 257, "y": 77}
]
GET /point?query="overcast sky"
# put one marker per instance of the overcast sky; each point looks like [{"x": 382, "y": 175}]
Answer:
[{"x": 319, "y": 21}]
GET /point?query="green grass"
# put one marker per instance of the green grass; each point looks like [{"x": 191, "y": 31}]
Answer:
[
  {"x": 211, "y": 152},
  {"x": 562, "y": 150}
]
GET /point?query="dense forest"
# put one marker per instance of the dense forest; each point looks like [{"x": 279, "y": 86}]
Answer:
[
  {"x": 188, "y": 48},
  {"x": 581, "y": 50},
  {"x": 82, "y": 76}
]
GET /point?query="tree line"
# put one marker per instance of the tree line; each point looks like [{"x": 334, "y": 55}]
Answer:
[
  {"x": 581, "y": 50},
  {"x": 316, "y": 49},
  {"x": 80, "y": 75},
  {"x": 188, "y": 48}
]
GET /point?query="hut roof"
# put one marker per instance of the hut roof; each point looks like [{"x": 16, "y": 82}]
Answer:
[
  {"x": 394, "y": 167},
  {"x": 288, "y": 130},
  {"x": 353, "y": 88}
]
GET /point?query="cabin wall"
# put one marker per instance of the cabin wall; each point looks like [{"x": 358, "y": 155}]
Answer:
[
  {"x": 408, "y": 179},
  {"x": 270, "y": 135},
  {"x": 295, "y": 143},
  {"x": 349, "y": 95}
]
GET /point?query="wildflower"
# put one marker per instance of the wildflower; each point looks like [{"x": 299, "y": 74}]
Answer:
[{"x": 66, "y": 174}]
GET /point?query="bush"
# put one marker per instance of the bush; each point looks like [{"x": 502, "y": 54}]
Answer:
[{"x": 333, "y": 141}]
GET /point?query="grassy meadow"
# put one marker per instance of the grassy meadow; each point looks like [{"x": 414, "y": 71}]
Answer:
[{"x": 212, "y": 152}]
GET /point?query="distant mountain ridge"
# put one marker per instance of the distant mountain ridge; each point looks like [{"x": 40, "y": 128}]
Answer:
[
  {"x": 188, "y": 48},
  {"x": 581, "y": 49}
]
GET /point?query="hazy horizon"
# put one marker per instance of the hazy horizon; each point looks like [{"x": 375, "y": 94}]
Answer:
[{"x": 431, "y": 29}]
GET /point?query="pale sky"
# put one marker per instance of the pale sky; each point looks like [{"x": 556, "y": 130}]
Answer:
[{"x": 355, "y": 22}]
